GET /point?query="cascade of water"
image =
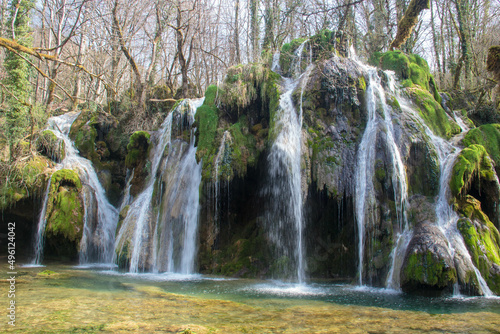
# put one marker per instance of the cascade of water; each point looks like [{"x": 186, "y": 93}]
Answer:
[
  {"x": 285, "y": 217},
  {"x": 143, "y": 226},
  {"x": 460, "y": 122},
  {"x": 96, "y": 244},
  {"x": 276, "y": 62},
  {"x": 365, "y": 196},
  {"x": 447, "y": 217}
]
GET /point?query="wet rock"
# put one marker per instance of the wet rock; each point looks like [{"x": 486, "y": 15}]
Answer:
[{"x": 428, "y": 264}]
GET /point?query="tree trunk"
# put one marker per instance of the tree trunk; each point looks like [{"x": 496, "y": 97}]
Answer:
[{"x": 405, "y": 26}]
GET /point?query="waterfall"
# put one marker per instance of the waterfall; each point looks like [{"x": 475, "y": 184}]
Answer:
[
  {"x": 285, "y": 218},
  {"x": 150, "y": 236},
  {"x": 446, "y": 216},
  {"x": 96, "y": 244},
  {"x": 365, "y": 194}
]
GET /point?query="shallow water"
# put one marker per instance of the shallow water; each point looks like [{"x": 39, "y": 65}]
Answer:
[{"x": 87, "y": 299}]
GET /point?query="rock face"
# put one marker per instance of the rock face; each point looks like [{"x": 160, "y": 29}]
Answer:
[{"x": 428, "y": 264}]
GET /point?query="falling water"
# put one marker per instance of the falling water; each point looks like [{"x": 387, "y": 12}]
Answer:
[
  {"x": 285, "y": 217},
  {"x": 143, "y": 226},
  {"x": 365, "y": 193},
  {"x": 446, "y": 216},
  {"x": 275, "y": 66},
  {"x": 97, "y": 243}
]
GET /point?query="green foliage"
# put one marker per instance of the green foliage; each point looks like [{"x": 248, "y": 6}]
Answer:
[
  {"x": 22, "y": 179},
  {"x": 488, "y": 136},
  {"x": 472, "y": 162},
  {"x": 17, "y": 79},
  {"x": 433, "y": 114}
]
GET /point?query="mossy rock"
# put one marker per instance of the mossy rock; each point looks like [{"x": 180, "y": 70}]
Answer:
[
  {"x": 84, "y": 134},
  {"x": 433, "y": 113},
  {"x": 423, "y": 170},
  {"x": 428, "y": 265},
  {"x": 207, "y": 120},
  {"x": 411, "y": 69},
  {"x": 287, "y": 55},
  {"x": 138, "y": 149},
  {"x": 482, "y": 240},
  {"x": 488, "y": 136},
  {"x": 472, "y": 162},
  {"x": 26, "y": 178},
  {"x": 51, "y": 146},
  {"x": 65, "y": 211}
]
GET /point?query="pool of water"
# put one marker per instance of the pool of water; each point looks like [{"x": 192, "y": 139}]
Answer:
[{"x": 101, "y": 299}]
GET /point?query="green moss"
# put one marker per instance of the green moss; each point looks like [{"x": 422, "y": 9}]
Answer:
[
  {"x": 243, "y": 84},
  {"x": 362, "y": 83},
  {"x": 482, "y": 240},
  {"x": 287, "y": 55},
  {"x": 51, "y": 146},
  {"x": 426, "y": 269},
  {"x": 47, "y": 273},
  {"x": 488, "y": 136},
  {"x": 138, "y": 149},
  {"x": 472, "y": 162},
  {"x": 84, "y": 134},
  {"x": 207, "y": 119},
  {"x": 433, "y": 114},
  {"x": 65, "y": 207},
  {"x": 411, "y": 69},
  {"x": 243, "y": 146}
]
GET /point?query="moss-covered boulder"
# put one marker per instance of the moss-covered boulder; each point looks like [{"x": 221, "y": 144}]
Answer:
[
  {"x": 64, "y": 215},
  {"x": 482, "y": 240},
  {"x": 428, "y": 265},
  {"x": 51, "y": 146},
  {"x": 472, "y": 162},
  {"x": 488, "y": 136}
]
